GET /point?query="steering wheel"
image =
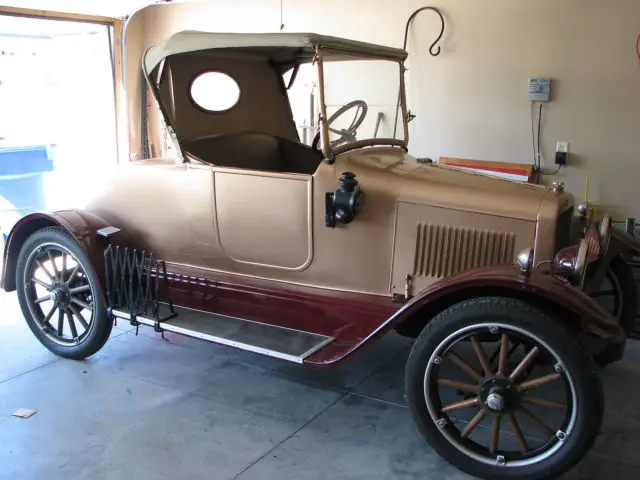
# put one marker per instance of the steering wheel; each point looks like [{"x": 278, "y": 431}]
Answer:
[{"x": 346, "y": 134}]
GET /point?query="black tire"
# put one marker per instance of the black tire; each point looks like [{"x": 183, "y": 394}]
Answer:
[
  {"x": 74, "y": 345},
  {"x": 621, "y": 272},
  {"x": 488, "y": 313}
]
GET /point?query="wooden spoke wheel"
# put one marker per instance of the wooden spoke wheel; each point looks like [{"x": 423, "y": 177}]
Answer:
[
  {"x": 60, "y": 296},
  {"x": 499, "y": 389}
]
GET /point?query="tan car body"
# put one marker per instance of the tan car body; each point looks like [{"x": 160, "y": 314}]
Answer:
[{"x": 421, "y": 220}]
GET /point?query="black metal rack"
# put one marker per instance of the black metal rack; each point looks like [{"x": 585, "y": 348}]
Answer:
[{"x": 136, "y": 283}]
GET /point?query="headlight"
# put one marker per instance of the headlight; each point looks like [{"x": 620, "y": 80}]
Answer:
[
  {"x": 573, "y": 261},
  {"x": 525, "y": 260}
]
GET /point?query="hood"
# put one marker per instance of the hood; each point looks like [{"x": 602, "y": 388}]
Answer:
[{"x": 449, "y": 187}]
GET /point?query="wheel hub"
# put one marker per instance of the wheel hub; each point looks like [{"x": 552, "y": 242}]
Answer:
[
  {"x": 499, "y": 395},
  {"x": 495, "y": 402},
  {"x": 60, "y": 295}
]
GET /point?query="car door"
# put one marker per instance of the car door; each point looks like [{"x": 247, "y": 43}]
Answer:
[{"x": 264, "y": 218}]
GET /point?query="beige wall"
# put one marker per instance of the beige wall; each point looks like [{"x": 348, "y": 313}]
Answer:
[{"x": 471, "y": 101}]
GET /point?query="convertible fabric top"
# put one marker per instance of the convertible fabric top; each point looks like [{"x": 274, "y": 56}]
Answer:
[{"x": 279, "y": 47}]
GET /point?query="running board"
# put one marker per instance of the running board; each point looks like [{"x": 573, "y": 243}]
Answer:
[{"x": 273, "y": 341}]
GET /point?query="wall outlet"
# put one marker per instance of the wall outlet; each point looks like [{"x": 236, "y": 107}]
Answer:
[{"x": 562, "y": 152}]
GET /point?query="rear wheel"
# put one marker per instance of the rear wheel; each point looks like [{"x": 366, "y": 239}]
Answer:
[
  {"x": 501, "y": 390},
  {"x": 59, "y": 294}
]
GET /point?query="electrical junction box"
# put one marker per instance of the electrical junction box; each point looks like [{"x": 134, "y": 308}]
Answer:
[{"x": 539, "y": 89}]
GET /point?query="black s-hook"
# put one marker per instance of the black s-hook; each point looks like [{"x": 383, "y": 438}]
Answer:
[
  {"x": 413, "y": 15},
  {"x": 404, "y": 47}
]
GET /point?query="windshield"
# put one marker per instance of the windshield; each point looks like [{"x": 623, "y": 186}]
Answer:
[{"x": 361, "y": 96}]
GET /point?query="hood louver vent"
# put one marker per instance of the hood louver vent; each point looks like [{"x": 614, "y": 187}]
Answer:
[{"x": 443, "y": 250}]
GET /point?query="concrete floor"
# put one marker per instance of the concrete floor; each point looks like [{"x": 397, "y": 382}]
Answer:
[{"x": 153, "y": 409}]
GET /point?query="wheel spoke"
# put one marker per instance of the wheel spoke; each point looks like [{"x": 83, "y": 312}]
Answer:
[
  {"x": 83, "y": 288},
  {"x": 518, "y": 433},
  {"x": 537, "y": 382},
  {"x": 60, "y": 322},
  {"x": 49, "y": 315},
  {"x": 42, "y": 284},
  {"x": 72, "y": 324},
  {"x": 41, "y": 299},
  {"x": 79, "y": 316},
  {"x": 466, "y": 387},
  {"x": 526, "y": 361},
  {"x": 604, "y": 293},
  {"x": 472, "y": 402},
  {"x": 495, "y": 435},
  {"x": 475, "y": 421},
  {"x": 465, "y": 366},
  {"x": 482, "y": 356},
  {"x": 42, "y": 267},
  {"x": 64, "y": 266},
  {"x": 73, "y": 273},
  {"x": 52, "y": 259},
  {"x": 535, "y": 420},
  {"x": 504, "y": 355},
  {"x": 77, "y": 301},
  {"x": 541, "y": 402}
]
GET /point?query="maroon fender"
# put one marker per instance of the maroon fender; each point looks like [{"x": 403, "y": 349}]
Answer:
[
  {"x": 540, "y": 287},
  {"x": 81, "y": 225}
]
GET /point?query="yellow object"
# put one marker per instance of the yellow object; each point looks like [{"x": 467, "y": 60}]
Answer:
[
  {"x": 586, "y": 189},
  {"x": 591, "y": 209}
]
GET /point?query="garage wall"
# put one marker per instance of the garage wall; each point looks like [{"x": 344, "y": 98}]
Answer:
[{"x": 471, "y": 100}]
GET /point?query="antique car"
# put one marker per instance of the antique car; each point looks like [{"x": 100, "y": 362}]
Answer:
[{"x": 240, "y": 233}]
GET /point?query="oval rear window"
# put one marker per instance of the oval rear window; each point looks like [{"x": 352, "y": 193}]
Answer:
[{"x": 215, "y": 91}]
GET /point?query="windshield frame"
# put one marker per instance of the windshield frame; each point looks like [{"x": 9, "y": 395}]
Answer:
[{"x": 325, "y": 144}]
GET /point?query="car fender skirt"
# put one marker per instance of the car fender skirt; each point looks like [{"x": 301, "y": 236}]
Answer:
[
  {"x": 80, "y": 224},
  {"x": 562, "y": 300}
]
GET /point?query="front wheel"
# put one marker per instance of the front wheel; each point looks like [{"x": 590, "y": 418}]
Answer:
[
  {"x": 618, "y": 294},
  {"x": 60, "y": 296},
  {"x": 500, "y": 390}
]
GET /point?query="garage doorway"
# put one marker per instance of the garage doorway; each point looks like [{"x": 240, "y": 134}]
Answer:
[{"x": 57, "y": 111}]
